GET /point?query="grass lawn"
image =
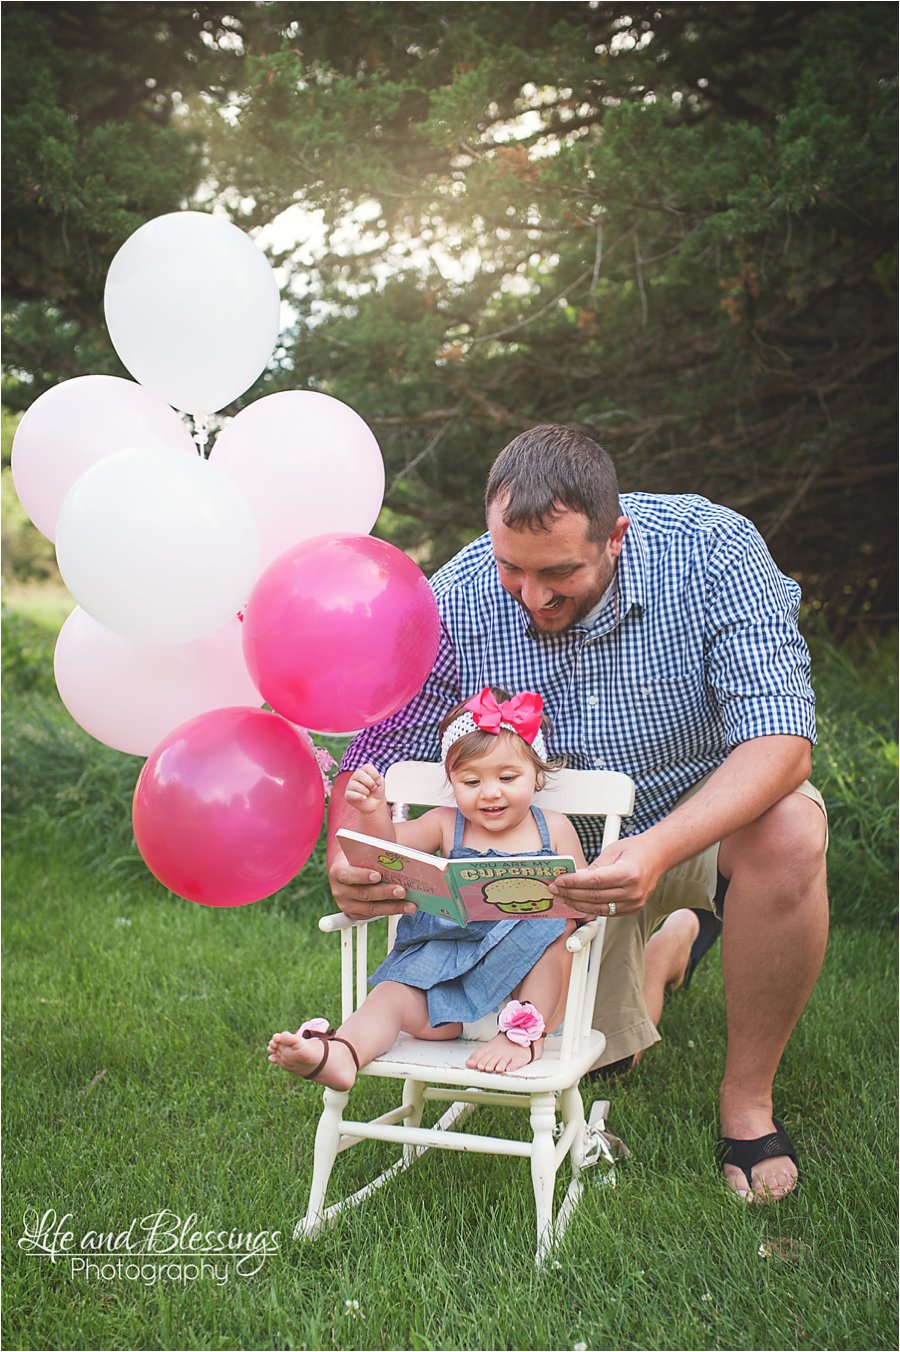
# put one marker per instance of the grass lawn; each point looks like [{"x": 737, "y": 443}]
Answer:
[{"x": 136, "y": 1082}]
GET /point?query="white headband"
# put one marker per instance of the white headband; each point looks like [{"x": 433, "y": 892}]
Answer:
[{"x": 465, "y": 723}]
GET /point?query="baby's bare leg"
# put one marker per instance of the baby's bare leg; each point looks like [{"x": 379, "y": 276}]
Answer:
[
  {"x": 546, "y": 987},
  {"x": 370, "y": 1030}
]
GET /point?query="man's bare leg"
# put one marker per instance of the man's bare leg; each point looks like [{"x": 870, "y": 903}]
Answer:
[
  {"x": 773, "y": 945},
  {"x": 666, "y": 958}
]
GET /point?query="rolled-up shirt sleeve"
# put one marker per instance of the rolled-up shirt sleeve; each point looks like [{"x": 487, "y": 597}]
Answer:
[
  {"x": 758, "y": 666},
  {"x": 412, "y": 732}
]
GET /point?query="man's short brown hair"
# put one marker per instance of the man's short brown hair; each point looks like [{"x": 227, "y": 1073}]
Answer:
[{"x": 550, "y": 469}]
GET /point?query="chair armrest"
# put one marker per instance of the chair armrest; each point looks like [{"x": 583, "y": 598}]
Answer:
[
  {"x": 582, "y": 936},
  {"x": 330, "y": 924}
]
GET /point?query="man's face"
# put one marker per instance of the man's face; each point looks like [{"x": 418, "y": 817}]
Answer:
[{"x": 556, "y": 575}]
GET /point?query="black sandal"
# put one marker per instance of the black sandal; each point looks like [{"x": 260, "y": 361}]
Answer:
[
  {"x": 613, "y": 1070},
  {"x": 327, "y": 1039},
  {"x": 745, "y": 1154}
]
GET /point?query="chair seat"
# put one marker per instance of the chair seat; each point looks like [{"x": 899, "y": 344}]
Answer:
[{"x": 413, "y": 1058}]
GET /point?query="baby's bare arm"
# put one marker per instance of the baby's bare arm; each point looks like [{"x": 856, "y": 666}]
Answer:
[
  {"x": 564, "y": 838},
  {"x": 365, "y": 793},
  {"x": 360, "y": 893},
  {"x": 432, "y": 832}
]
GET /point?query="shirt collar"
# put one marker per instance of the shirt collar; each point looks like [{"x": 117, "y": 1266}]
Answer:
[
  {"x": 592, "y": 616},
  {"x": 627, "y": 590},
  {"x": 633, "y": 563}
]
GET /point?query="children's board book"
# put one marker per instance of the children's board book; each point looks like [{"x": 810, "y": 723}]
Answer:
[{"x": 466, "y": 889}]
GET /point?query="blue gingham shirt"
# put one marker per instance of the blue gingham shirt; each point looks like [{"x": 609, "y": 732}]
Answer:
[{"x": 696, "y": 650}]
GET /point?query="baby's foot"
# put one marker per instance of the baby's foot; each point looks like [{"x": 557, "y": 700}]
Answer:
[
  {"x": 301, "y": 1055},
  {"x": 502, "y": 1056}
]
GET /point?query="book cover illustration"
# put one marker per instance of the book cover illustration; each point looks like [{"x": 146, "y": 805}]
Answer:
[{"x": 466, "y": 889}]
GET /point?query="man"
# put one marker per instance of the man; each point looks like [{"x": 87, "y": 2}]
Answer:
[{"x": 664, "y": 642}]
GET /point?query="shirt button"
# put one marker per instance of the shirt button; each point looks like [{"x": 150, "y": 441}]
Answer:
[
  {"x": 599, "y": 762},
  {"x": 592, "y": 699}
]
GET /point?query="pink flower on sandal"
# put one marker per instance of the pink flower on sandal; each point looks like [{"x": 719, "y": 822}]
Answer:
[
  {"x": 522, "y": 1023},
  {"x": 313, "y": 1026}
]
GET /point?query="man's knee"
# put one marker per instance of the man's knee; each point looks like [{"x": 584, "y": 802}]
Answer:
[{"x": 789, "y": 839}]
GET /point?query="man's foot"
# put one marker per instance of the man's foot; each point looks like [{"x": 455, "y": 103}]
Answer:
[
  {"x": 502, "y": 1056},
  {"x": 771, "y": 1176},
  {"x": 301, "y": 1056}
]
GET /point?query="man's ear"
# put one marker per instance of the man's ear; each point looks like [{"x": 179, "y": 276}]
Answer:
[{"x": 617, "y": 536}]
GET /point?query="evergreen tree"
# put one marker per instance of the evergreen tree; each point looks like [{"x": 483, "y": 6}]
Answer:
[
  {"x": 100, "y": 135},
  {"x": 672, "y": 225}
]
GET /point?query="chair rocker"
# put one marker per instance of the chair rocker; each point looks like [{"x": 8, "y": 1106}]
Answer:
[{"x": 437, "y": 1070}]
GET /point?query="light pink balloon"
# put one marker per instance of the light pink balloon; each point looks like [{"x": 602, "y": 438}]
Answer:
[
  {"x": 130, "y": 695},
  {"x": 307, "y": 465},
  {"x": 75, "y": 424}
]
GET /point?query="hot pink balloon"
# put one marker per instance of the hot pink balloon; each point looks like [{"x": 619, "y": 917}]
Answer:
[
  {"x": 77, "y": 423},
  {"x": 340, "y": 632},
  {"x": 228, "y": 808},
  {"x": 307, "y": 465},
  {"x": 130, "y": 694}
]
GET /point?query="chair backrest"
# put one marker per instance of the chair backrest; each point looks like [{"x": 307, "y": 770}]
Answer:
[{"x": 599, "y": 793}]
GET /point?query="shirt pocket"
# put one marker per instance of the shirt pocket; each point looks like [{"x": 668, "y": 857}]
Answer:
[{"x": 670, "y": 719}]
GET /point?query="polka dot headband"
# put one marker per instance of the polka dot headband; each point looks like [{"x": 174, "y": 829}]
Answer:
[{"x": 482, "y": 713}]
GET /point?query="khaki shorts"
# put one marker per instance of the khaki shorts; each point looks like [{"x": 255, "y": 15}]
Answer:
[{"x": 619, "y": 1008}]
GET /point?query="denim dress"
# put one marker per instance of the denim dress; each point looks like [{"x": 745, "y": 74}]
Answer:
[{"x": 467, "y": 971}]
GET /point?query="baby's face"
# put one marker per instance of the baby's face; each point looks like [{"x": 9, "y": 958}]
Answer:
[{"x": 496, "y": 790}]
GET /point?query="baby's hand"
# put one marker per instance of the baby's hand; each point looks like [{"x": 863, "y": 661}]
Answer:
[{"x": 365, "y": 789}]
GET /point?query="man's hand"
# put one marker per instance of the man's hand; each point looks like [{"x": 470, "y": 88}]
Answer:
[
  {"x": 754, "y": 776},
  {"x": 625, "y": 873},
  {"x": 360, "y": 892}
]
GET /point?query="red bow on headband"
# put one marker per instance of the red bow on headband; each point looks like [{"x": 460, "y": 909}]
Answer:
[{"x": 522, "y": 712}]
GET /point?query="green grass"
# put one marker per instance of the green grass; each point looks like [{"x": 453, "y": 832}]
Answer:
[{"x": 136, "y": 1080}]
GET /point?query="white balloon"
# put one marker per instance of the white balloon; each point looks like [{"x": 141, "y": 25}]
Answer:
[
  {"x": 130, "y": 695},
  {"x": 156, "y": 547},
  {"x": 75, "y": 424},
  {"x": 192, "y": 309},
  {"x": 306, "y": 463}
]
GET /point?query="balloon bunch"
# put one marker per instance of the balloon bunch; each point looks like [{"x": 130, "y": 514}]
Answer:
[{"x": 208, "y": 586}]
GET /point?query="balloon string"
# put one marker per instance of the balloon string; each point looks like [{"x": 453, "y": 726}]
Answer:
[{"x": 201, "y": 432}]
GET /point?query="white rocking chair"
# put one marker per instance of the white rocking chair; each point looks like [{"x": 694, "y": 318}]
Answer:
[{"x": 438, "y": 1071}]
